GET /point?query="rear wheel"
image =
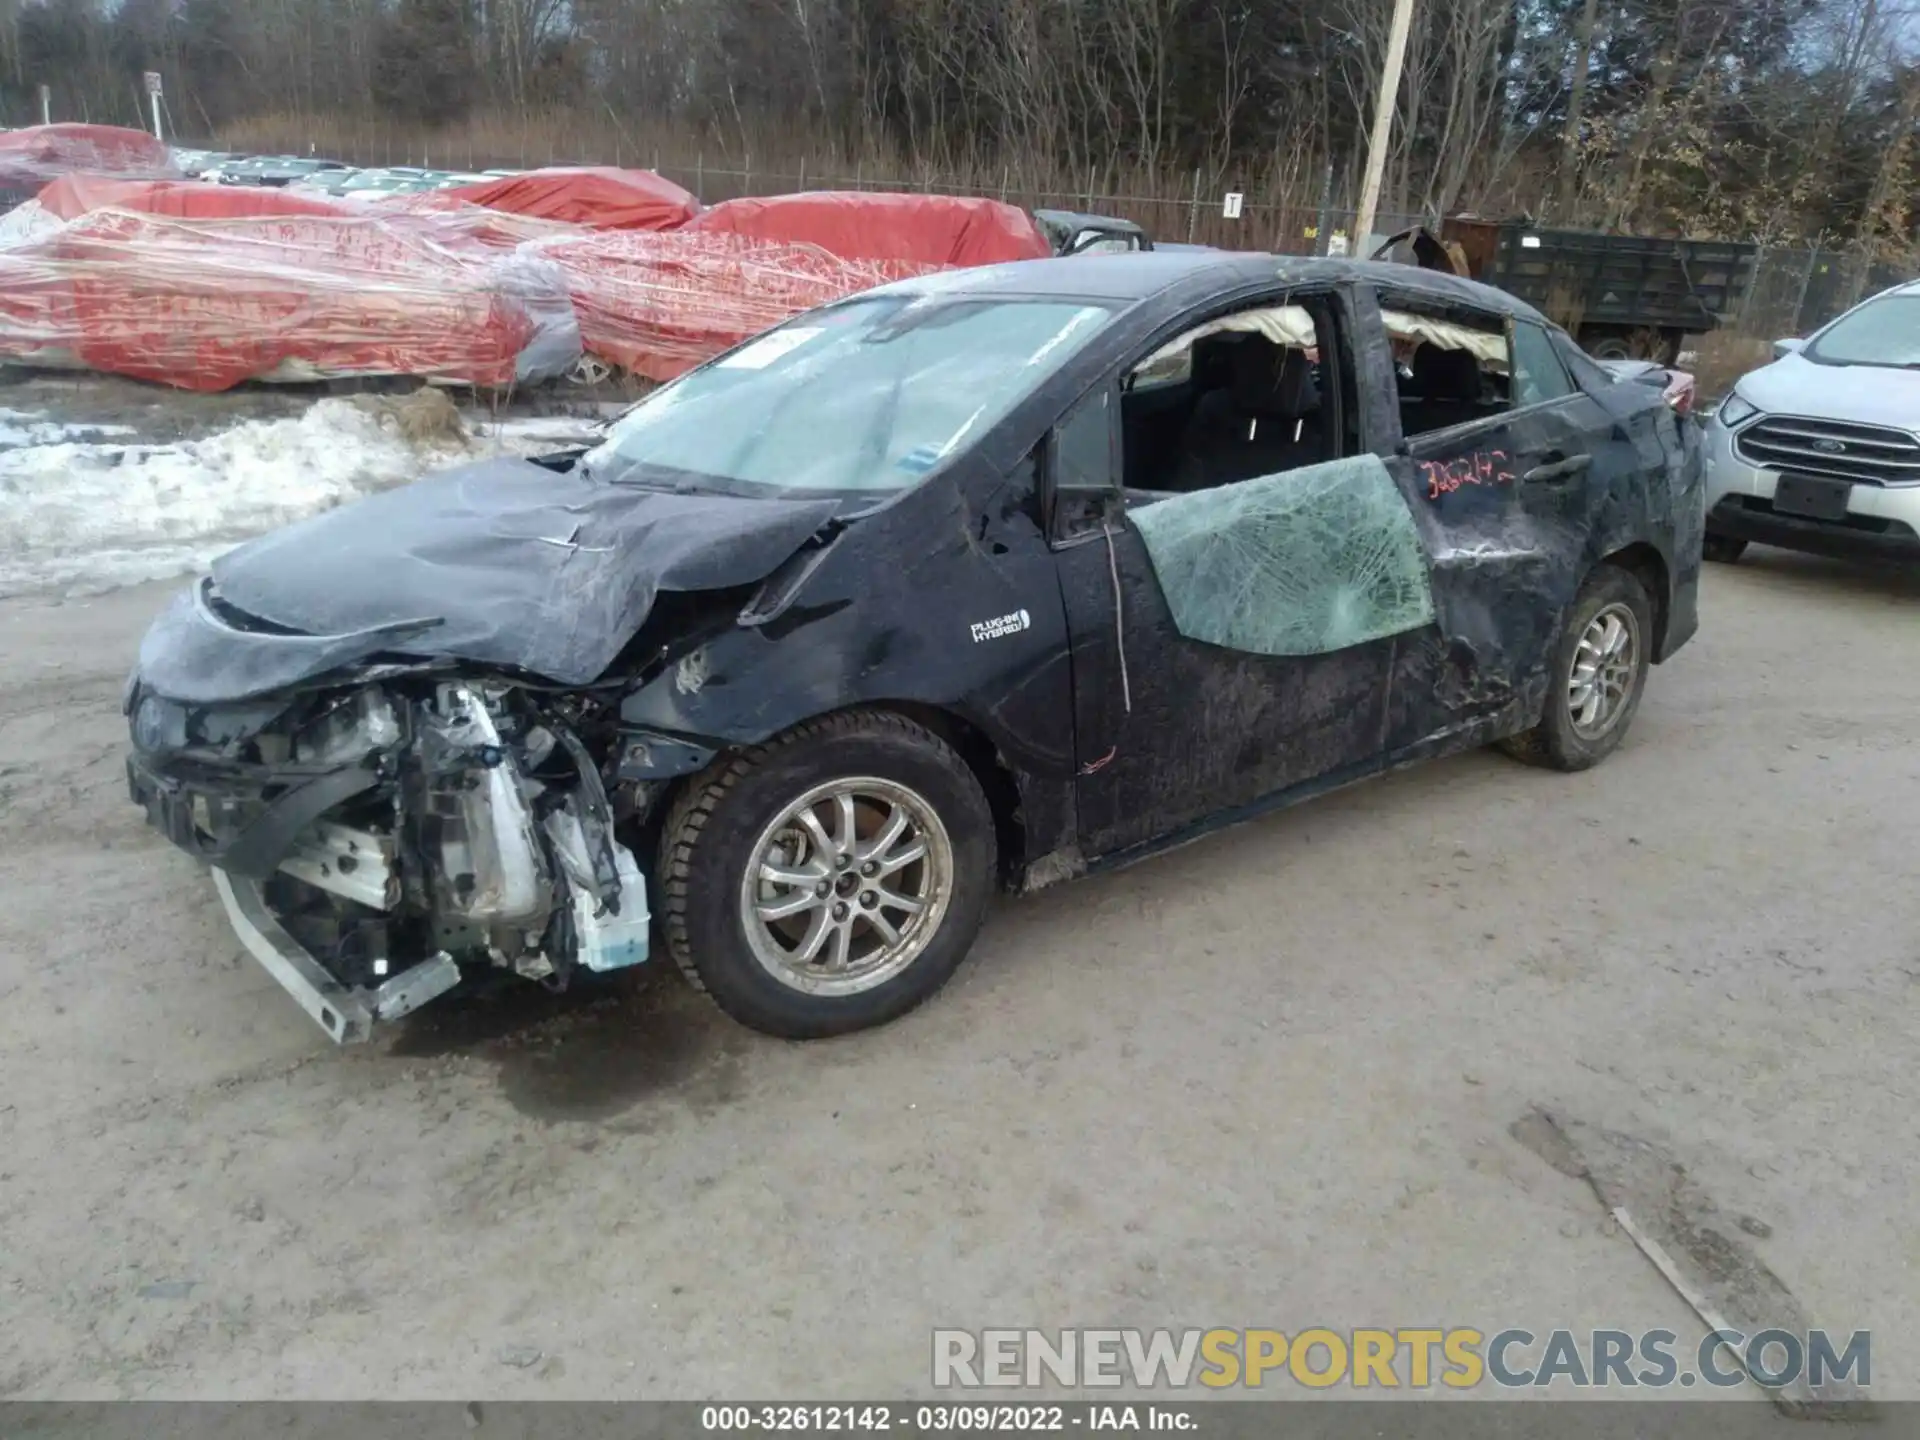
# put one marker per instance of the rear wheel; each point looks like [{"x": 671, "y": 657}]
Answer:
[
  {"x": 1662, "y": 347},
  {"x": 1599, "y": 672},
  {"x": 1611, "y": 345},
  {"x": 1723, "y": 549},
  {"x": 830, "y": 880}
]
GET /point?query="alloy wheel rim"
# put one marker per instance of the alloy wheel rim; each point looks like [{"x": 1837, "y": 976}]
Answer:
[
  {"x": 847, "y": 886},
  {"x": 1605, "y": 664}
]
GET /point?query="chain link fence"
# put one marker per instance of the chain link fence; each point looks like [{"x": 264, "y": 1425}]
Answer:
[
  {"x": 1796, "y": 291},
  {"x": 1199, "y": 216},
  {"x": 1793, "y": 290}
]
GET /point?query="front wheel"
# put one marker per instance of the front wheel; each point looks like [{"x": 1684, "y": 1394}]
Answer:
[
  {"x": 1598, "y": 675},
  {"x": 829, "y": 880}
]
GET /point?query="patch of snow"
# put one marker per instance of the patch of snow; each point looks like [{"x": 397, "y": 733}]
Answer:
[
  {"x": 85, "y": 515},
  {"x": 20, "y": 428}
]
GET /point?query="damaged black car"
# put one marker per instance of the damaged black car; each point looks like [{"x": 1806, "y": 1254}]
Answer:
[{"x": 981, "y": 581}]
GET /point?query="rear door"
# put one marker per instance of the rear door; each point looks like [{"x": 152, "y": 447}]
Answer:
[{"x": 1508, "y": 469}]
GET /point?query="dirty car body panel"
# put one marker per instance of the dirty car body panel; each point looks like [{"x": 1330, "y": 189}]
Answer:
[{"x": 441, "y": 730}]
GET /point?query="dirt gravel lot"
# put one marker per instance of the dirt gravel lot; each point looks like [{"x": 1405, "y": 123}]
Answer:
[{"x": 1265, "y": 1081}]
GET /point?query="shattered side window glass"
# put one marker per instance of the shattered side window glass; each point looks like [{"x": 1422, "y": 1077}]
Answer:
[{"x": 1301, "y": 563}]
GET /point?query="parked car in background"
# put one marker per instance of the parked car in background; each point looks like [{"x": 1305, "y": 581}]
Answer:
[
  {"x": 33, "y": 157},
  {"x": 275, "y": 171},
  {"x": 331, "y": 182},
  {"x": 1072, "y": 232},
  {"x": 1820, "y": 451},
  {"x": 238, "y": 169},
  {"x": 343, "y": 183},
  {"x": 194, "y": 164},
  {"x": 984, "y": 579}
]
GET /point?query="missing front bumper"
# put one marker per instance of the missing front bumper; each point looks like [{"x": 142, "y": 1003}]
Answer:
[{"x": 347, "y": 1015}]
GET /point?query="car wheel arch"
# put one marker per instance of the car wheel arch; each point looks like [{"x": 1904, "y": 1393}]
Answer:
[
  {"x": 1646, "y": 564},
  {"x": 999, "y": 780}
]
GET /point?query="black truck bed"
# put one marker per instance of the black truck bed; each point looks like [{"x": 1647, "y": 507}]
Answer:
[{"x": 1612, "y": 291}]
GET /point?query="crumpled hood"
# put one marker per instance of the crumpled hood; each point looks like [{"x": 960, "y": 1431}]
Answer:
[
  {"x": 1862, "y": 394},
  {"x": 502, "y": 562}
]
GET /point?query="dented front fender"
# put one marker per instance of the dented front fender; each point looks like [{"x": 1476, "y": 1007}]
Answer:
[{"x": 933, "y": 600}]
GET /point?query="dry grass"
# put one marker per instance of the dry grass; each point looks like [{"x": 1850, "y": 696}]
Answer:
[
  {"x": 1281, "y": 199},
  {"x": 1722, "y": 357},
  {"x": 426, "y": 416}
]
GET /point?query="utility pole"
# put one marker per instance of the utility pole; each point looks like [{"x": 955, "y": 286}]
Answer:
[
  {"x": 152, "y": 78},
  {"x": 1383, "y": 123}
]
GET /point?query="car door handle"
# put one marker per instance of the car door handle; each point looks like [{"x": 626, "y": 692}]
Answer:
[{"x": 1555, "y": 471}]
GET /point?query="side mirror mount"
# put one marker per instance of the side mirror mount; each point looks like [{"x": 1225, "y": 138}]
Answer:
[
  {"x": 1784, "y": 348},
  {"x": 1079, "y": 466}
]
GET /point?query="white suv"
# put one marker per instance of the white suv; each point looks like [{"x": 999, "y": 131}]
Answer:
[{"x": 1820, "y": 450}]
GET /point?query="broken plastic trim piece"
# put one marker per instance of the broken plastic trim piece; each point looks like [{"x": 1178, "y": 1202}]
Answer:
[
  {"x": 348, "y": 1016},
  {"x": 777, "y": 591}
]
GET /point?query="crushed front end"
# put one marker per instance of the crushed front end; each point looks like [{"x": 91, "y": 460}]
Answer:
[{"x": 381, "y": 831}]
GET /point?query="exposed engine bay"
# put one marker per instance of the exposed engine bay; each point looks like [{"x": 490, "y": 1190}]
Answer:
[
  {"x": 393, "y": 729},
  {"x": 373, "y": 844}
]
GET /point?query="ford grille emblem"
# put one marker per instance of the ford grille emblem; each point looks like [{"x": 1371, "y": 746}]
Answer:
[{"x": 1830, "y": 447}]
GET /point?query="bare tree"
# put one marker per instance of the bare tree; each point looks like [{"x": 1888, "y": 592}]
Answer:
[
  {"x": 1142, "y": 34},
  {"x": 1774, "y": 117},
  {"x": 1576, "y": 106}
]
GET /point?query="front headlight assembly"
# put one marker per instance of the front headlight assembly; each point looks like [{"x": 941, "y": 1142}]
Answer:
[{"x": 1735, "y": 410}]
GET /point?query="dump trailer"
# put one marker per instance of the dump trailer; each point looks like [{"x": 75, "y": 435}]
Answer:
[{"x": 1624, "y": 297}]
